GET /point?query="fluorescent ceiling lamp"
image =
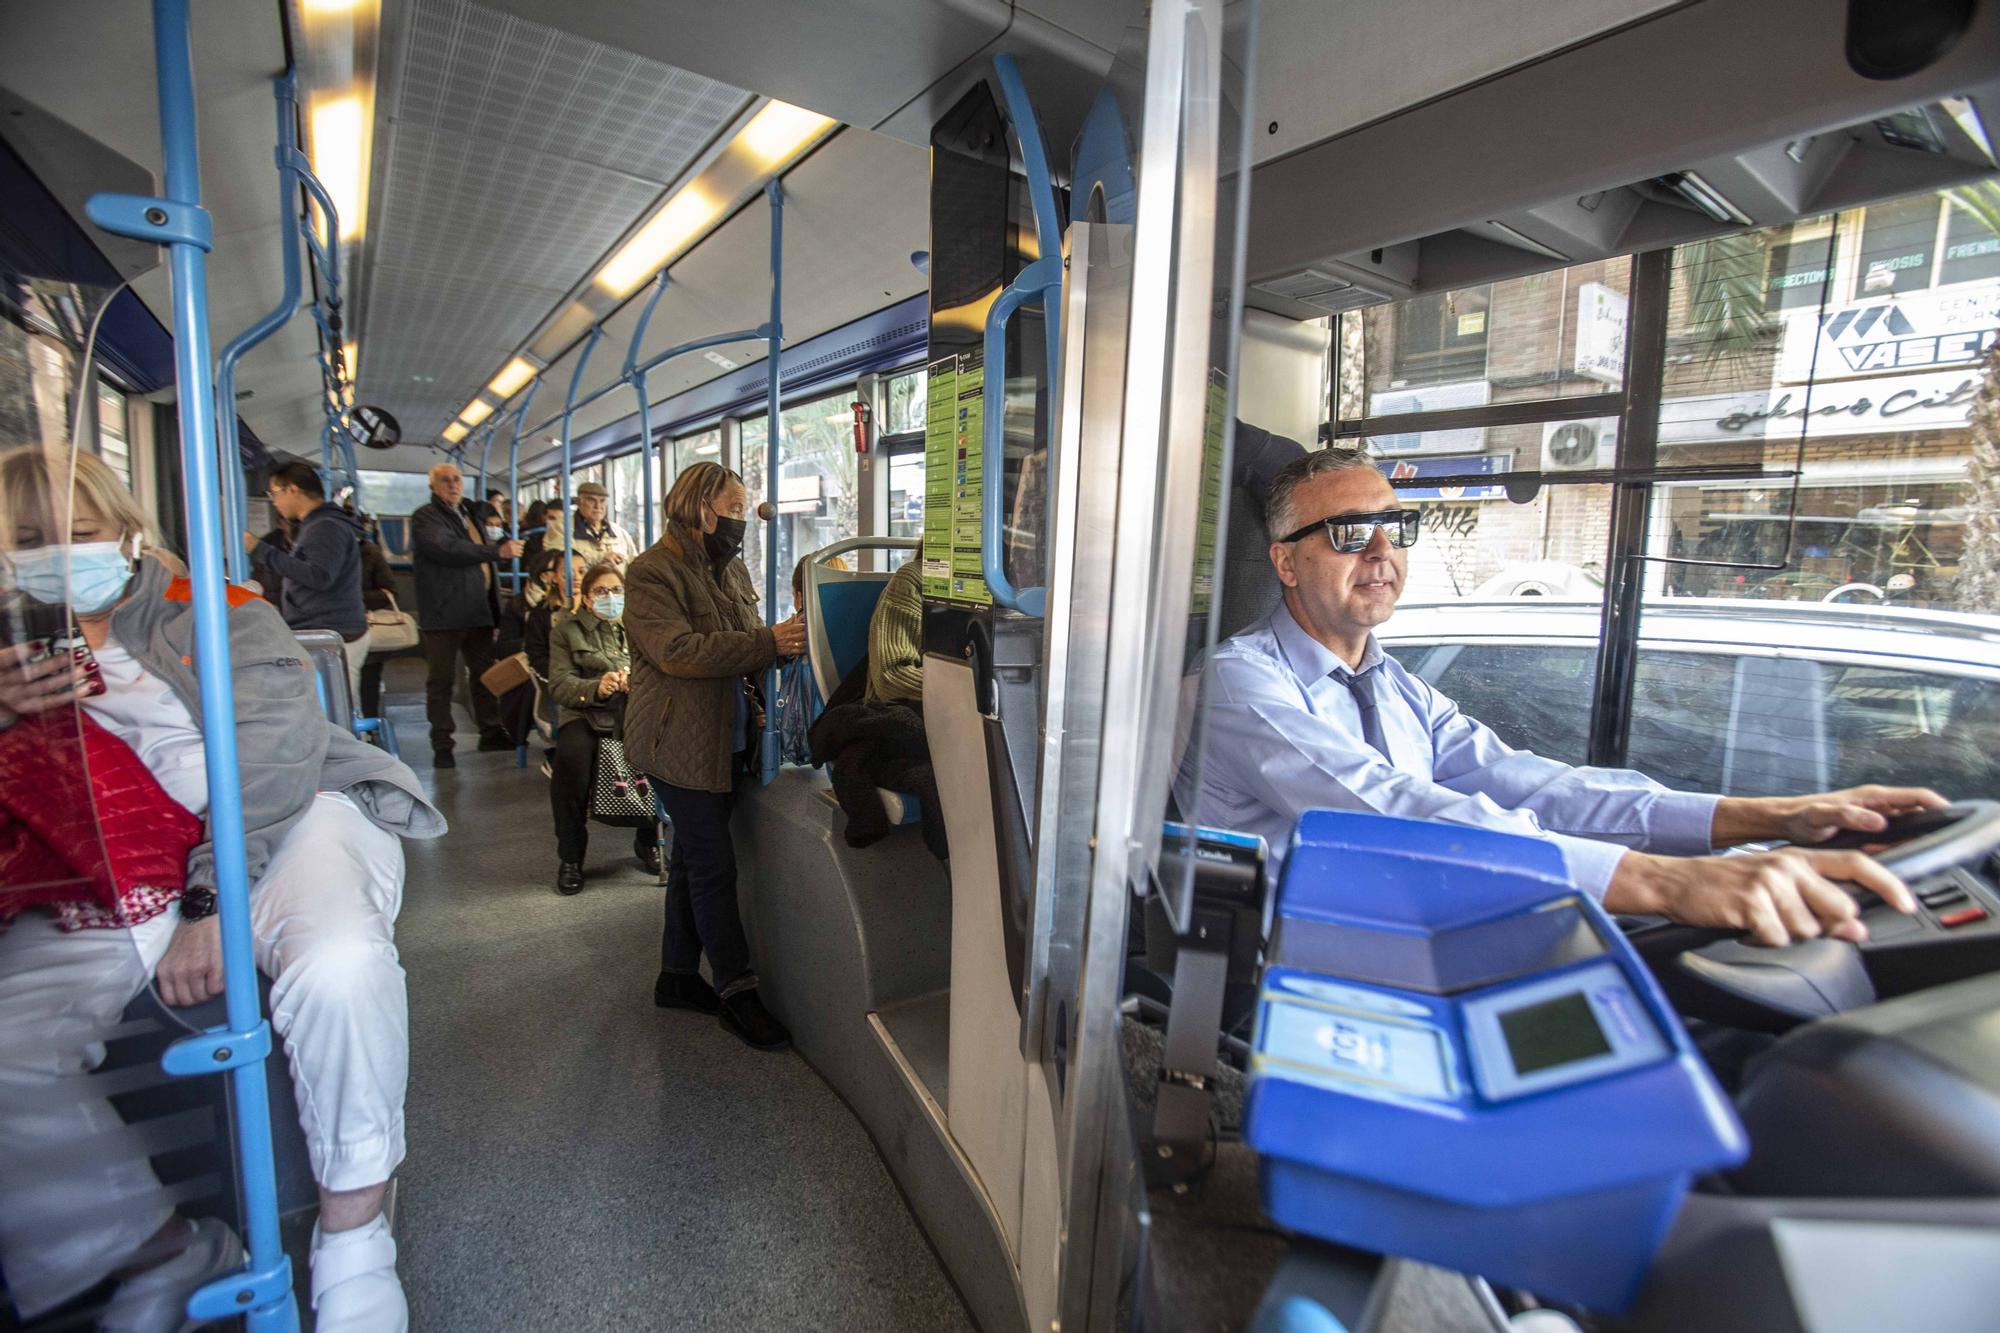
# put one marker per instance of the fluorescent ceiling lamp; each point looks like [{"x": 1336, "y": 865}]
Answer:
[
  {"x": 350, "y": 357},
  {"x": 780, "y": 132},
  {"x": 659, "y": 241},
  {"x": 455, "y": 432},
  {"x": 475, "y": 412},
  {"x": 339, "y": 129},
  {"x": 317, "y": 8},
  {"x": 511, "y": 377}
]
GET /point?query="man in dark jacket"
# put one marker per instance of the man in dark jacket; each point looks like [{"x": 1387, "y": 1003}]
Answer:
[
  {"x": 455, "y": 608},
  {"x": 322, "y": 570}
]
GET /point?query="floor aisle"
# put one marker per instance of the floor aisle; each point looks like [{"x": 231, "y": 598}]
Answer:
[{"x": 581, "y": 1160}]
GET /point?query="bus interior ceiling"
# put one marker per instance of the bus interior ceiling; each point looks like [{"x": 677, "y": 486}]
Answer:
[{"x": 516, "y": 146}]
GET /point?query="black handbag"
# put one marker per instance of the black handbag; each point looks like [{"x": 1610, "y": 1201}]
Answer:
[{"x": 619, "y": 795}]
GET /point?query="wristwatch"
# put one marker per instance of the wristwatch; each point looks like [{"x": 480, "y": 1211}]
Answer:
[{"x": 197, "y": 904}]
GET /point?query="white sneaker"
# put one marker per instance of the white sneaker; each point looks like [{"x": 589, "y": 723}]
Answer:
[
  {"x": 155, "y": 1301},
  {"x": 354, "y": 1284}
]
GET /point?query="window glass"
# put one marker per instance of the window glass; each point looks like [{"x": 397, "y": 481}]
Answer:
[
  {"x": 818, "y": 502},
  {"x": 1898, "y": 240},
  {"x": 1866, "y": 553},
  {"x": 112, "y": 444},
  {"x": 395, "y": 494},
  {"x": 1797, "y": 274},
  {"x": 1548, "y": 335},
  {"x": 905, "y": 397},
  {"x": 1527, "y": 693},
  {"x": 906, "y": 503},
  {"x": 1971, "y": 245},
  {"x": 627, "y": 502},
  {"x": 695, "y": 448}
]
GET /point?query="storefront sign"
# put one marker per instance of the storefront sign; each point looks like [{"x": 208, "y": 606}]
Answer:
[
  {"x": 1404, "y": 470},
  {"x": 1917, "y": 331},
  {"x": 1941, "y": 400},
  {"x": 1600, "y": 333}
]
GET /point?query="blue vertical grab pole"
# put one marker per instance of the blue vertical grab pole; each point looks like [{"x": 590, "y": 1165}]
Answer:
[
  {"x": 261, "y": 1294},
  {"x": 234, "y": 507},
  {"x": 514, "y": 477},
  {"x": 768, "y": 746},
  {"x": 569, "y": 514},
  {"x": 635, "y": 374}
]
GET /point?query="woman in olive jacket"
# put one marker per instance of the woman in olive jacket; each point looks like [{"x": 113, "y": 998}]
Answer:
[
  {"x": 696, "y": 638},
  {"x": 589, "y": 672}
]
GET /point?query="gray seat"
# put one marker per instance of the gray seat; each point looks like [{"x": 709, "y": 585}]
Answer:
[{"x": 329, "y": 663}]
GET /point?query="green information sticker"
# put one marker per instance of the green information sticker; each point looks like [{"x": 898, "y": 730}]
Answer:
[{"x": 954, "y": 481}]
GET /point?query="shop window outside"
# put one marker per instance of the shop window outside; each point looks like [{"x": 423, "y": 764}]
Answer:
[
  {"x": 395, "y": 494},
  {"x": 627, "y": 501},
  {"x": 690, "y": 449},
  {"x": 906, "y": 503}
]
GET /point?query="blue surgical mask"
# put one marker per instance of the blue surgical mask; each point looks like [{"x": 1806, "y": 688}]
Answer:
[
  {"x": 90, "y": 576},
  {"x": 610, "y": 605}
]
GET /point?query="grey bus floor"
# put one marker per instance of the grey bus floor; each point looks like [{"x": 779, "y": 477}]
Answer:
[{"x": 579, "y": 1159}]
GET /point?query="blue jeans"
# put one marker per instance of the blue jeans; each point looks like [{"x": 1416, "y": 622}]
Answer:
[{"x": 702, "y": 916}]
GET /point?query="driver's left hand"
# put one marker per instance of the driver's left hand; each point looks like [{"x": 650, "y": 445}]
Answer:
[{"x": 1806, "y": 820}]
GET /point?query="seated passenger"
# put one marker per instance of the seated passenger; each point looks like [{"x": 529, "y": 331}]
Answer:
[
  {"x": 1306, "y": 711},
  {"x": 322, "y": 813},
  {"x": 875, "y": 742},
  {"x": 896, "y": 639},
  {"x": 589, "y": 673}
]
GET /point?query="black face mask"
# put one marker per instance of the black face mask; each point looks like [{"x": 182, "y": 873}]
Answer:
[{"x": 726, "y": 540}]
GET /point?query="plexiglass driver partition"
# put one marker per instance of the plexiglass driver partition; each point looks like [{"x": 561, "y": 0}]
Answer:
[{"x": 1070, "y": 530}]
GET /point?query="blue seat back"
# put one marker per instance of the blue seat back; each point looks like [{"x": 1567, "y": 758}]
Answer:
[{"x": 839, "y": 604}]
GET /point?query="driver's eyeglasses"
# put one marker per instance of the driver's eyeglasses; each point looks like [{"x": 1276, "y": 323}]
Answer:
[{"x": 1351, "y": 533}]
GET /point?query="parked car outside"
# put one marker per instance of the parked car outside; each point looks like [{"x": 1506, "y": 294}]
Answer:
[{"x": 1746, "y": 698}]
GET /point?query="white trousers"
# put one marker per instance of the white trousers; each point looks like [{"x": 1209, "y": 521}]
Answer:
[
  {"x": 356, "y": 653},
  {"x": 77, "y": 1195}
]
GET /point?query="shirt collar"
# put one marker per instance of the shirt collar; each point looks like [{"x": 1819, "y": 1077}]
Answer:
[{"x": 1308, "y": 657}]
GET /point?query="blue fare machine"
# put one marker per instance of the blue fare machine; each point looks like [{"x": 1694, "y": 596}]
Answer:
[{"x": 1459, "y": 1059}]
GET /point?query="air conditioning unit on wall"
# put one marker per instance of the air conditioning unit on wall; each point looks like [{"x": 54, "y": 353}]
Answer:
[{"x": 1570, "y": 446}]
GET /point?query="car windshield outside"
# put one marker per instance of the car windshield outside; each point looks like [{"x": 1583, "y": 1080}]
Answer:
[{"x": 1730, "y": 697}]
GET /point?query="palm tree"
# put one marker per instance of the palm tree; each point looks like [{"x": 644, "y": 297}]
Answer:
[{"x": 1979, "y": 568}]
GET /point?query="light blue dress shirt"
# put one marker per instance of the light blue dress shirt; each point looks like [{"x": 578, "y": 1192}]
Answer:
[{"x": 1285, "y": 736}]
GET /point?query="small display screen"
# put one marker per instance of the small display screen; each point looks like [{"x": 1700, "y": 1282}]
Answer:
[{"x": 1555, "y": 1032}]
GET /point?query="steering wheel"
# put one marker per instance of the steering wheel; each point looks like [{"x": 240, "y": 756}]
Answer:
[{"x": 1717, "y": 974}]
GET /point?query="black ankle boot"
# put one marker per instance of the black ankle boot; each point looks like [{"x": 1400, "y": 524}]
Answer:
[
  {"x": 686, "y": 990},
  {"x": 569, "y": 878},
  {"x": 649, "y": 856},
  {"x": 745, "y": 1017}
]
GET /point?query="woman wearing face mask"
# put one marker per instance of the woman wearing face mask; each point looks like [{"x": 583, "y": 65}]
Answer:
[
  {"x": 589, "y": 667},
  {"x": 696, "y": 642},
  {"x": 322, "y": 817}
]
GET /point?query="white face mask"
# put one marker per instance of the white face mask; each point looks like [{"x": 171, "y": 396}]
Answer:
[{"x": 89, "y": 576}]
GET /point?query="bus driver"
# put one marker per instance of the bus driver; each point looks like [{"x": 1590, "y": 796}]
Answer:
[{"x": 1306, "y": 711}]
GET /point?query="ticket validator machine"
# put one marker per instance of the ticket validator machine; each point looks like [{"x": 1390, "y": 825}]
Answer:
[{"x": 1459, "y": 1059}]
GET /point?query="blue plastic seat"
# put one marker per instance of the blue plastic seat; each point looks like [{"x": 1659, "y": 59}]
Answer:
[{"x": 839, "y": 605}]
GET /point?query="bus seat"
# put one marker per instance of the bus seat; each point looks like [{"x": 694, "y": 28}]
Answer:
[
  {"x": 329, "y": 663},
  {"x": 839, "y": 605},
  {"x": 328, "y": 656}
]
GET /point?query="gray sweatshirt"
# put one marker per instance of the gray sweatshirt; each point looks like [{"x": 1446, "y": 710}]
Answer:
[{"x": 287, "y": 750}]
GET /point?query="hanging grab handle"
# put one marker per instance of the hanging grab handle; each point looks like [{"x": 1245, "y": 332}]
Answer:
[{"x": 1040, "y": 283}]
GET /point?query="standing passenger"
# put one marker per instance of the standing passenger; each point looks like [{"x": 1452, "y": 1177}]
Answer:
[
  {"x": 455, "y": 609},
  {"x": 691, "y": 618},
  {"x": 322, "y": 569}
]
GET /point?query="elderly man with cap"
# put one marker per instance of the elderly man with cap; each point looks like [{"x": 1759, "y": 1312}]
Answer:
[{"x": 596, "y": 538}]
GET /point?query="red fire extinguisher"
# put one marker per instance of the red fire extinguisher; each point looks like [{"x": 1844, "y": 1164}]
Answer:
[{"x": 862, "y": 417}]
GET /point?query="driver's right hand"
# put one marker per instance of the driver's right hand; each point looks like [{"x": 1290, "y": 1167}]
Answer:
[{"x": 1773, "y": 897}]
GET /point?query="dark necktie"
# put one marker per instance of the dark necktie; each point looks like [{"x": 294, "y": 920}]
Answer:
[{"x": 1361, "y": 684}]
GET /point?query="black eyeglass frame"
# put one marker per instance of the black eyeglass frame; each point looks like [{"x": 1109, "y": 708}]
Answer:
[{"x": 1404, "y": 526}]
